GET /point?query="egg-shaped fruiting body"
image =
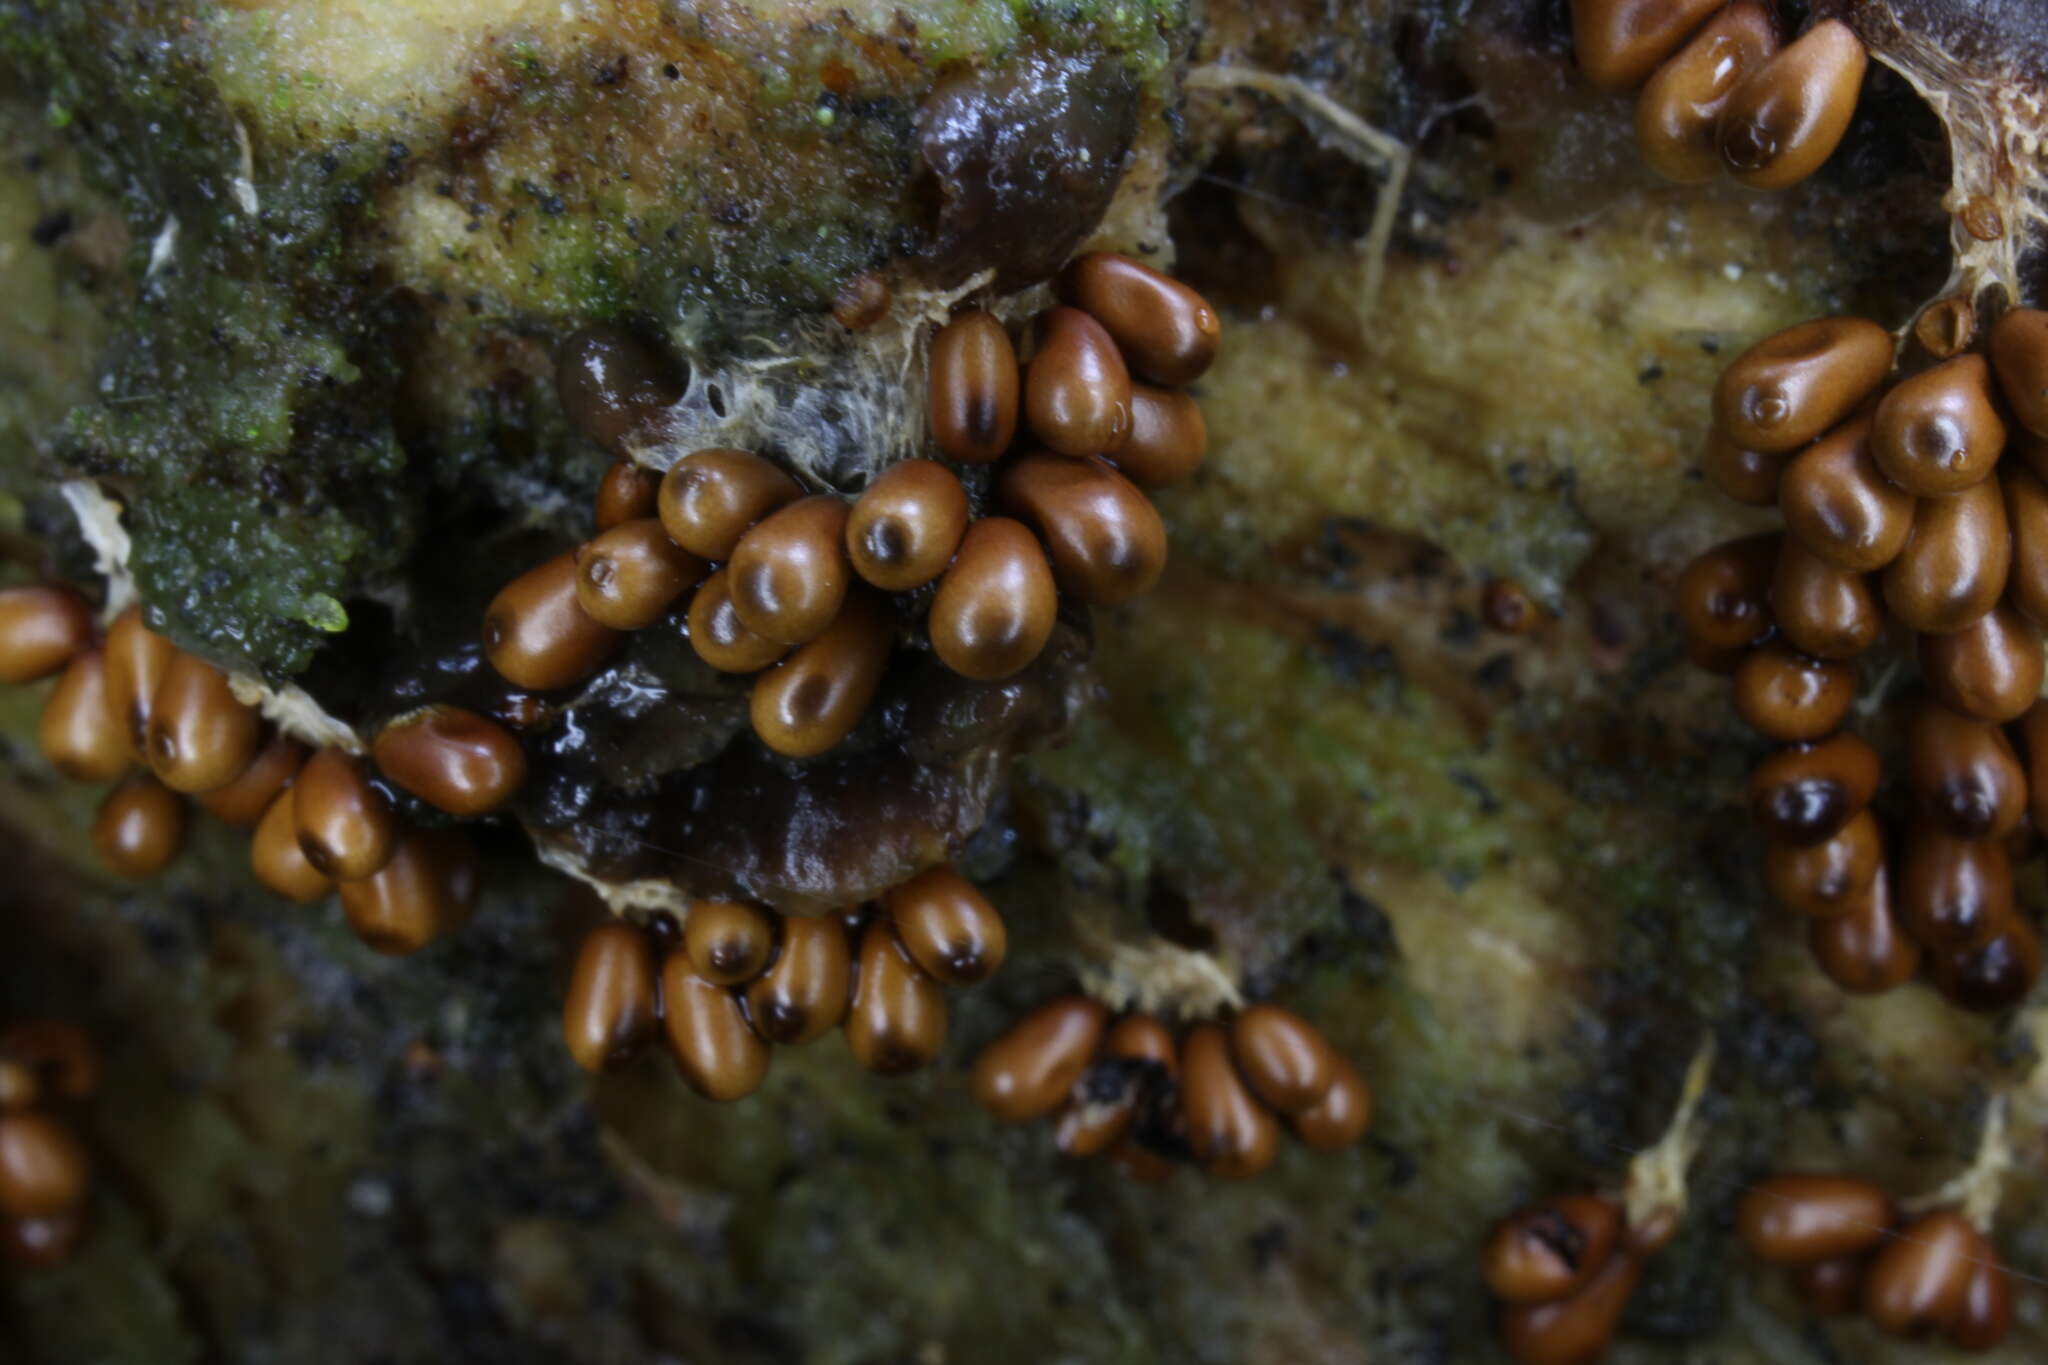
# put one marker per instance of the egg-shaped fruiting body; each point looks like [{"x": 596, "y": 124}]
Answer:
[
  {"x": 1964, "y": 773},
  {"x": 1990, "y": 669},
  {"x": 995, "y": 607},
  {"x": 1920, "y": 1278},
  {"x": 788, "y": 575},
  {"x": 1620, "y": 42},
  {"x": 1747, "y": 476},
  {"x": 1937, "y": 432},
  {"x": 2019, "y": 355},
  {"x": 974, "y": 385},
  {"x": 276, "y": 858},
  {"x": 803, "y": 994},
  {"x": 1103, "y": 537},
  {"x": 615, "y": 386},
  {"x": 947, "y": 926},
  {"x": 896, "y": 1021},
  {"x": 813, "y": 698},
  {"x": 728, "y": 942},
  {"x": 1167, "y": 331},
  {"x": 451, "y": 758},
  {"x": 1986, "y": 1316},
  {"x": 1723, "y": 595},
  {"x": 1795, "y": 384},
  {"x": 718, "y": 635},
  {"x": 1992, "y": 975},
  {"x": 199, "y": 736},
  {"x": 43, "y": 1168},
  {"x": 1574, "y": 1330},
  {"x": 611, "y": 1007},
  {"x": 1679, "y": 109},
  {"x": 715, "y": 1049},
  {"x": 137, "y": 659},
  {"x": 1789, "y": 114},
  {"x": 243, "y": 802},
  {"x": 1232, "y": 1134},
  {"x": 61, "y": 1055},
  {"x": 537, "y": 635},
  {"x": 905, "y": 525},
  {"x": 1341, "y": 1116},
  {"x": 1027, "y": 1072},
  {"x": 1077, "y": 393},
  {"x": 1791, "y": 698},
  {"x": 424, "y": 891},
  {"x": 1167, "y": 441},
  {"x": 1806, "y": 792},
  {"x": 19, "y": 1088},
  {"x": 1551, "y": 1249},
  {"x": 1284, "y": 1058},
  {"x": 346, "y": 826},
  {"x": 1840, "y": 505},
  {"x": 709, "y": 498},
  {"x": 78, "y": 731},
  {"x": 140, "y": 827},
  {"x": 1138, "y": 1055},
  {"x": 629, "y": 575},
  {"x": 42, "y": 628},
  {"x": 1952, "y": 568},
  {"x": 2026, "y": 516},
  {"x": 1865, "y": 950},
  {"x": 863, "y": 301},
  {"x": 1801, "y": 1218},
  {"x": 1826, "y": 878},
  {"x": 1821, "y": 608},
  {"x": 626, "y": 493}
]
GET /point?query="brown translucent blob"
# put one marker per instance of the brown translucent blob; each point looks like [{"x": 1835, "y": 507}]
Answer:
[
  {"x": 1549, "y": 1250},
  {"x": 1954, "y": 564},
  {"x": 716, "y": 1050},
  {"x": 1865, "y": 950},
  {"x": 139, "y": 828},
  {"x": 1620, "y": 42},
  {"x": 18, "y": 1086},
  {"x": 1680, "y": 106},
  {"x": 243, "y": 802},
  {"x": 904, "y": 528},
  {"x": 1993, "y": 975},
  {"x": 1574, "y": 1330},
  {"x": 1920, "y": 1278},
  {"x": 1077, "y": 393},
  {"x": 1723, "y": 596},
  {"x": 423, "y": 892},
  {"x": 1829, "y": 877},
  {"x": 346, "y": 827},
  {"x": 1990, "y": 669},
  {"x": 974, "y": 388},
  {"x": 710, "y": 497},
  {"x": 58, "y": 1054},
  {"x": 452, "y": 759},
  {"x": 538, "y": 636},
  {"x": 1986, "y": 1315},
  {"x": 1788, "y": 116},
  {"x": 1953, "y": 893},
  {"x": 1794, "y": 385},
  {"x": 1341, "y": 1116},
  {"x": 1805, "y": 793},
  {"x": 718, "y": 635},
  {"x": 39, "y": 1241},
  {"x": 803, "y": 993},
  {"x": 627, "y": 577},
  {"x": 813, "y": 699},
  {"x": 1143, "y": 1037},
  {"x": 41, "y": 629},
  {"x": 896, "y": 1021},
  {"x": 1103, "y": 537},
  {"x": 862, "y": 301},
  {"x": 626, "y": 493},
  {"x": 1946, "y": 327},
  {"x": 947, "y": 926},
  {"x": 199, "y": 737},
  {"x": 614, "y": 385},
  {"x": 1802, "y": 1219},
  {"x": 1965, "y": 774},
  {"x": 1839, "y": 504},
  {"x": 728, "y": 942},
  {"x": 1506, "y": 606},
  {"x": 2026, "y": 513},
  {"x": 1168, "y": 331},
  {"x": 995, "y": 607},
  {"x": 79, "y": 731},
  {"x": 42, "y": 1167},
  {"x": 2019, "y": 354},
  {"x": 1233, "y": 1135},
  {"x": 1167, "y": 441},
  {"x": 1786, "y": 696},
  {"x": 1282, "y": 1056},
  {"x": 611, "y": 1008},
  {"x": 1748, "y": 476},
  {"x": 788, "y": 575},
  {"x": 137, "y": 659},
  {"x": 1937, "y": 432},
  {"x": 1105, "y": 1099},
  {"x": 1026, "y": 1073},
  {"x": 1831, "y": 1288},
  {"x": 276, "y": 858},
  {"x": 1828, "y": 611}
]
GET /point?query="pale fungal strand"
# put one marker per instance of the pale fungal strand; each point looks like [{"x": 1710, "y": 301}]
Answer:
[
  {"x": 99, "y": 525},
  {"x": 644, "y": 895},
  {"x": 1156, "y": 977},
  {"x": 292, "y": 709},
  {"x": 1656, "y": 1175},
  {"x": 1975, "y": 1192}
]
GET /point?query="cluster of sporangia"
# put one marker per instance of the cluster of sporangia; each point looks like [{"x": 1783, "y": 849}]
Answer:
[
  {"x": 792, "y": 585},
  {"x": 734, "y": 978},
  {"x": 1897, "y": 496},
  {"x": 321, "y": 821},
  {"x": 45, "y": 1066},
  {"x": 1564, "y": 1270},
  {"x": 1215, "y": 1095}
]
